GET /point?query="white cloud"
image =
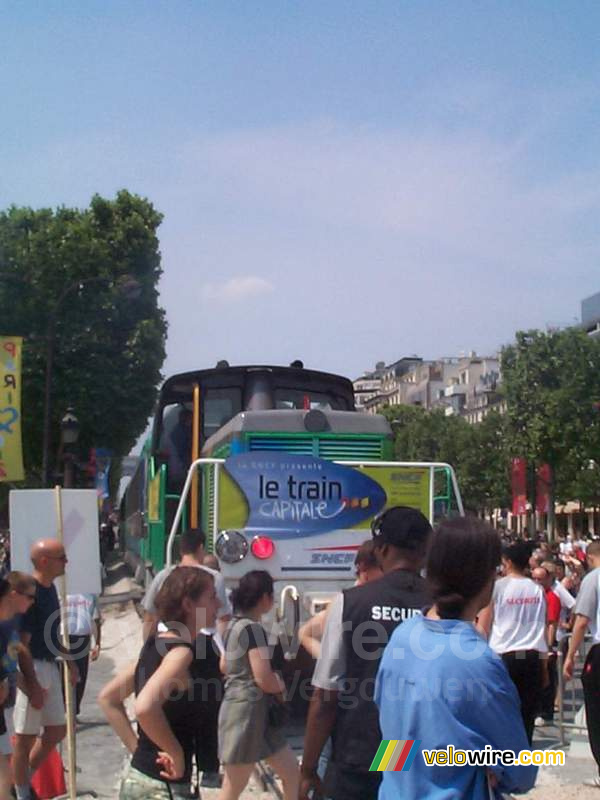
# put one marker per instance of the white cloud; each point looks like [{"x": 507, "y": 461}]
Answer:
[{"x": 237, "y": 289}]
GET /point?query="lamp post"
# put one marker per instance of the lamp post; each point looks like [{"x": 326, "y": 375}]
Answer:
[
  {"x": 69, "y": 433},
  {"x": 130, "y": 289}
]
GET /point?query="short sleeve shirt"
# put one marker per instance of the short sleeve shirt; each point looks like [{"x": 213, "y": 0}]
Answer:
[
  {"x": 149, "y": 601},
  {"x": 42, "y": 622},
  {"x": 588, "y": 604},
  {"x": 519, "y": 616},
  {"x": 82, "y": 610},
  {"x": 552, "y": 607}
]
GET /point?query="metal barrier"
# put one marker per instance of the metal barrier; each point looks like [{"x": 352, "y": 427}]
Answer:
[{"x": 570, "y": 690}]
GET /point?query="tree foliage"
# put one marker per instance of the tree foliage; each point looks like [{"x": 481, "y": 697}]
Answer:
[
  {"x": 551, "y": 382},
  {"x": 476, "y": 452},
  {"x": 64, "y": 276}
]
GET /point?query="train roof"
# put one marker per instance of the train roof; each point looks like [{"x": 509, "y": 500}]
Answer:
[{"x": 178, "y": 387}]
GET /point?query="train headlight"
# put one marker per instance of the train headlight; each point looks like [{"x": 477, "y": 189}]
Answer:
[
  {"x": 262, "y": 547},
  {"x": 231, "y": 547}
]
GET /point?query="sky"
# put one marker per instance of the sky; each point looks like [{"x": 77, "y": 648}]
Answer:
[{"x": 341, "y": 182}]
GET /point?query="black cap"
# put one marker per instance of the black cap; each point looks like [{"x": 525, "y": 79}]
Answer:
[{"x": 401, "y": 526}]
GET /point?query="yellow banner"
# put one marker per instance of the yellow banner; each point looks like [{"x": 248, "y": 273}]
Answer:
[
  {"x": 154, "y": 499},
  {"x": 404, "y": 486},
  {"x": 11, "y": 453}
]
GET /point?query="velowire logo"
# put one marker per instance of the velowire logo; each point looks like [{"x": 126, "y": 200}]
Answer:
[{"x": 395, "y": 755}]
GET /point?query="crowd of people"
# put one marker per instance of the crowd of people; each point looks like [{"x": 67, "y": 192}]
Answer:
[{"x": 449, "y": 636}]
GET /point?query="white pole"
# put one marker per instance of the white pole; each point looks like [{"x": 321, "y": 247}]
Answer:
[{"x": 71, "y": 752}]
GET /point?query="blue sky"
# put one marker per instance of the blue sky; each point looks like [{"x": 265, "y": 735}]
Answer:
[{"x": 342, "y": 182}]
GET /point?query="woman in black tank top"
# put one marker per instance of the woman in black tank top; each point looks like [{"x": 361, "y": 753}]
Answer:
[{"x": 163, "y": 681}]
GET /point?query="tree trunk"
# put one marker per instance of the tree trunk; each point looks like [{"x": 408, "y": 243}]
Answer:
[{"x": 551, "y": 510}]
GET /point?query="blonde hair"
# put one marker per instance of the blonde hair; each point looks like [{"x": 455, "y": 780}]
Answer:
[{"x": 20, "y": 581}]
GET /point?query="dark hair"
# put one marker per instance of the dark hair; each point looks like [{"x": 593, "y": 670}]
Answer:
[
  {"x": 252, "y": 586},
  {"x": 519, "y": 553},
  {"x": 463, "y": 556},
  {"x": 191, "y": 540},
  {"x": 182, "y": 582},
  {"x": 5, "y": 588},
  {"x": 365, "y": 555}
]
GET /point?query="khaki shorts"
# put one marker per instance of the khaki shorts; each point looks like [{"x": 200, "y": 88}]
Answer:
[{"x": 29, "y": 720}]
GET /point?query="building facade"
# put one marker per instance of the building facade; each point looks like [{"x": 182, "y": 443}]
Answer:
[
  {"x": 476, "y": 388},
  {"x": 590, "y": 315},
  {"x": 465, "y": 386}
]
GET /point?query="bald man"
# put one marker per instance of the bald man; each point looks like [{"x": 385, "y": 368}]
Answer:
[{"x": 39, "y": 715}]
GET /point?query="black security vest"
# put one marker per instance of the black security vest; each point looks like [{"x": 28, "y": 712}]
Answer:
[{"x": 371, "y": 613}]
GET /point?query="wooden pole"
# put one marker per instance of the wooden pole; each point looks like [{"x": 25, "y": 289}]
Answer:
[{"x": 71, "y": 751}]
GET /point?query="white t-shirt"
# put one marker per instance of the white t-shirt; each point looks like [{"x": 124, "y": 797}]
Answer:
[
  {"x": 81, "y": 611},
  {"x": 149, "y": 601},
  {"x": 567, "y": 601},
  {"x": 519, "y": 616}
]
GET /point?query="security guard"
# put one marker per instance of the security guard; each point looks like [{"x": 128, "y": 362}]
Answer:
[{"x": 359, "y": 624}]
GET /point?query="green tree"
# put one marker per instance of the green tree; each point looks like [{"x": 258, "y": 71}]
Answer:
[
  {"x": 485, "y": 463},
  {"x": 551, "y": 383},
  {"x": 63, "y": 276},
  {"x": 475, "y": 451}
]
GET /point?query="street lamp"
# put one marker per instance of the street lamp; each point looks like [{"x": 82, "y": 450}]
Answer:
[
  {"x": 69, "y": 433},
  {"x": 129, "y": 288},
  {"x": 69, "y": 427}
]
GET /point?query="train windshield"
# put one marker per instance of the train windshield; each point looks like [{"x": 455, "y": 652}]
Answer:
[
  {"x": 220, "y": 405},
  {"x": 299, "y": 399},
  {"x": 226, "y": 392}
]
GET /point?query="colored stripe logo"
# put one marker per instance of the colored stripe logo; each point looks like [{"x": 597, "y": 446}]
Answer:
[{"x": 395, "y": 755}]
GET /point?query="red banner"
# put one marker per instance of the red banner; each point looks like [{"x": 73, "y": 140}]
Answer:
[
  {"x": 519, "y": 485},
  {"x": 542, "y": 488}
]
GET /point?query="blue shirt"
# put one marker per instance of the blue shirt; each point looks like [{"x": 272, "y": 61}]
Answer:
[
  {"x": 440, "y": 682},
  {"x": 10, "y": 640},
  {"x": 42, "y": 621}
]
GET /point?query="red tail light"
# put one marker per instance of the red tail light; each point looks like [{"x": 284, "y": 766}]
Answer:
[{"x": 262, "y": 547}]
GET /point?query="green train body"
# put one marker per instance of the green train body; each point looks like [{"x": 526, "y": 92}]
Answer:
[{"x": 261, "y": 410}]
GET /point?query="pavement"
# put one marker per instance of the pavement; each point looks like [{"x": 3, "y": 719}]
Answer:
[
  {"x": 101, "y": 757},
  {"x": 100, "y": 754}
]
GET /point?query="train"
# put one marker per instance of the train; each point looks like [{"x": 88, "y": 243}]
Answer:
[{"x": 282, "y": 473}]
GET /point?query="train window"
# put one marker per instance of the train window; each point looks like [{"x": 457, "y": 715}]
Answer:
[
  {"x": 297, "y": 398},
  {"x": 219, "y": 406}
]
